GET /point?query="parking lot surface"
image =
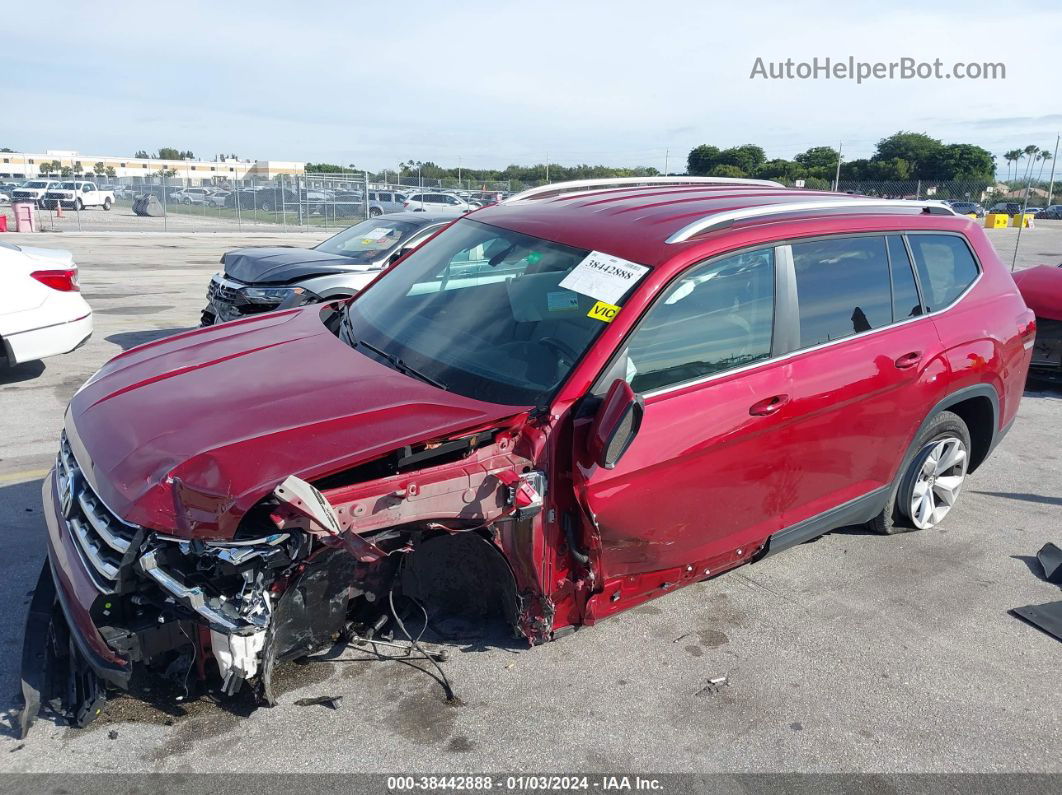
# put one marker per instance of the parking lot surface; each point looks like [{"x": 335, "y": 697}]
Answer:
[{"x": 853, "y": 653}]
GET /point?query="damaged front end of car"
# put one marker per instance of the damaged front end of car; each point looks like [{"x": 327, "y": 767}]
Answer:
[{"x": 311, "y": 563}]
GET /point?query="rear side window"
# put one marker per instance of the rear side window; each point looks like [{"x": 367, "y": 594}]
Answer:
[
  {"x": 714, "y": 318},
  {"x": 843, "y": 288},
  {"x": 945, "y": 267},
  {"x": 905, "y": 301}
]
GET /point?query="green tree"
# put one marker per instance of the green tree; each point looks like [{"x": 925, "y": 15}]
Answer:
[
  {"x": 111, "y": 172},
  {"x": 959, "y": 162},
  {"x": 747, "y": 157},
  {"x": 99, "y": 167},
  {"x": 726, "y": 170},
  {"x": 917, "y": 150},
  {"x": 65, "y": 171},
  {"x": 819, "y": 160},
  {"x": 702, "y": 159},
  {"x": 169, "y": 153},
  {"x": 142, "y": 155},
  {"x": 781, "y": 169}
]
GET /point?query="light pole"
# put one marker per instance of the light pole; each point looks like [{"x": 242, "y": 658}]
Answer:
[
  {"x": 1051, "y": 186},
  {"x": 837, "y": 173}
]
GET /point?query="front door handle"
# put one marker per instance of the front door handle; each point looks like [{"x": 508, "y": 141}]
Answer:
[
  {"x": 768, "y": 406},
  {"x": 909, "y": 360}
]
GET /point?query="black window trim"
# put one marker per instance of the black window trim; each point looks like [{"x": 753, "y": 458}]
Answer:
[{"x": 785, "y": 331}]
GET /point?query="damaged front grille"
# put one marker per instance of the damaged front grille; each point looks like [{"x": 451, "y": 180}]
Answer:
[
  {"x": 102, "y": 539},
  {"x": 220, "y": 291}
]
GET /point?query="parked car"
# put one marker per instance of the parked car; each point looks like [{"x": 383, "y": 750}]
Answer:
[
  {"x": 557, "y": 409},
  {"x": 1006, "y": 208},
  {"x": 352, "y": 203},
  {"x": 1050, "y": 213},
  {"x": 271, "y": 200},
  {"x": 1041, "y": 287},
  {"x": 78, "y": 195},
  {"x": 193, "y": 195},
  {"x": 218, "y": 198},
  {"x": 256, "y": 280},
  {"x": 5, "y": 195},
  {"x": 34, "y": 191},
  {"x": 42, "y": 311},
  {"x": 968, "y": 208},
  {"x": 436, "y": 202}
]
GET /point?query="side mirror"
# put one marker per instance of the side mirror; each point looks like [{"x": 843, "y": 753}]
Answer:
[{"x": 616, "y": 424}]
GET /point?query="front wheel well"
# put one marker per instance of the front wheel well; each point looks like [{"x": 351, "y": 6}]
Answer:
[{"x": 980, "y": 417}]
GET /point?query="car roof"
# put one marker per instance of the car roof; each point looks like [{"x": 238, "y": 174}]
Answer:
[{"x": 636, "y": 222}]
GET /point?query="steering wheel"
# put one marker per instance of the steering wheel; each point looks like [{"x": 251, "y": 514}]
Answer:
[{"x": 562, "y": 348}]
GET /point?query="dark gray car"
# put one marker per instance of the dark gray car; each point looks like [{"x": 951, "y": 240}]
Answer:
[{"x": 255, "y": 280}]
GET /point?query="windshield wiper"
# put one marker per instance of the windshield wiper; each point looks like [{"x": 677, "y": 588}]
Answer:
[{"x": 397, "y": 363}]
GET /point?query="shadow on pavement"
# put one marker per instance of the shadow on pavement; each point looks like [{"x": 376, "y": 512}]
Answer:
[
  {"x": 21, "y": 372},
  {"x": 22, "y": 551},
  {"x": 130, "y": 339},
  {"x": 1023, "y": 497}
]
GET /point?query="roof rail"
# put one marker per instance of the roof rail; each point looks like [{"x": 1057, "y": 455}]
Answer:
[
  {"x": 719, "y": 220},
  {"x": 544, "y": 191}
]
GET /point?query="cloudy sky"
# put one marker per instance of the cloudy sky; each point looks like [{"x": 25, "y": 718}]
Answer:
[{"x": 491, "y": 83}]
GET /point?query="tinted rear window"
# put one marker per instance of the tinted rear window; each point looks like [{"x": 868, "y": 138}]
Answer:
[
  {"x": 945, "y": 267},
  {"x": 842, "y": 288}
]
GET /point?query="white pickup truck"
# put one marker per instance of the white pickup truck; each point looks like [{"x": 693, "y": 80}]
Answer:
[
  {"x": 77, "y": 196},
  {"x": 33, "y": 190}
]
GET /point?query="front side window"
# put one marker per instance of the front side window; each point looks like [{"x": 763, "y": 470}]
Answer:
[
  {"x": 843, "y": 288},
  {"x": 945, "y": 267},
  {"x": 479, "y": 311},
  {"x": 713, "y": 318}
]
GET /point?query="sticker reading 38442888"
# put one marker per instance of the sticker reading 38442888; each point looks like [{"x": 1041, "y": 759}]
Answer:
[{"x": 603, "y": 277}]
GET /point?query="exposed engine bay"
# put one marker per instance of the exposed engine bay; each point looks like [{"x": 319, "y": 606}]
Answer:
[{"x": 311, "y": 565}]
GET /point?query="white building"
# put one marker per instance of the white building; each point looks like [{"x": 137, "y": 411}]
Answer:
[{"x": 27, "y": 165}]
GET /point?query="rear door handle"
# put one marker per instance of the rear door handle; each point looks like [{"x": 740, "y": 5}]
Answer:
[
  {"x": 768, "y": 406},
  {"x": 909, "y": 360}
]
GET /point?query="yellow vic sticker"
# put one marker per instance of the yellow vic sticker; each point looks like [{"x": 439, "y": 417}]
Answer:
[{"x": 604, "y": 312}]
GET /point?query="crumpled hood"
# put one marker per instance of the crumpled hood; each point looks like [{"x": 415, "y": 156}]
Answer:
[
  {"x": 286, "y": 265},
  {"x": 185, "y": 434},
  {"x": 1041, "y": 287}
]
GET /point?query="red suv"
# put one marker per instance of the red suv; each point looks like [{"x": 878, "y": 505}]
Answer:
[{"x": 558, "y": 408}]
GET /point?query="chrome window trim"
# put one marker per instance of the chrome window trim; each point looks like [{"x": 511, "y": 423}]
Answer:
[{"x": 786, "y": 356}]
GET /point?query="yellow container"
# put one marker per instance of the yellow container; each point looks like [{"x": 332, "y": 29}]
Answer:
[
  {"x": 996, "y": 220},
  {"x": 1025, "y": 220}
]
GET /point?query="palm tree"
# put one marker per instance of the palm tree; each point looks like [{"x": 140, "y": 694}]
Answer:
[
  {"x": 1013, "y": 157},
  {"x": 1044, "y": 157},
  {"x": 1030, "y": 151}
]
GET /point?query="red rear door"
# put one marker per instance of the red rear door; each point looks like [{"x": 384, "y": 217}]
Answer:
[{"x": 872, "y": 371}]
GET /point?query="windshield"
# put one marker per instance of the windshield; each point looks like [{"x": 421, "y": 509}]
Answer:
[
  {"x": 36, "y": 185},
  {"x": 368, "y": 239},
  {"x": 67, "y": 186},
  {"x": 479, "y": 310}
]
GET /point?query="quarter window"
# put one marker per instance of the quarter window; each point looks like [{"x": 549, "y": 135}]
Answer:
[
  {"x": 905, "y": 301},
  {"x": 945, "y": 266},
  {"x": 714, "y": 318},
  {"x": 842, "y": 288}
]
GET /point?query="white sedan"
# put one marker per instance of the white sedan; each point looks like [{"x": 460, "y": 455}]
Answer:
[{"x": 42, "y": 312}]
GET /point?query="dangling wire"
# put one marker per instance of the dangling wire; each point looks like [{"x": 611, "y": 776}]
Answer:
[{"x": 450, "y": 697}]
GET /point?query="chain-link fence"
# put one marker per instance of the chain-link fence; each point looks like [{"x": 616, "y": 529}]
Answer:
[{"x": 289, "y": 202}]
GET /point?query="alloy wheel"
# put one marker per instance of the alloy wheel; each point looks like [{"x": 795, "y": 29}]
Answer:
[{"x": 941, "y": 470}]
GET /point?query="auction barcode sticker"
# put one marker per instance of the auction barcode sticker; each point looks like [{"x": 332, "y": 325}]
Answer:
[{"x": 604, "y": 277}]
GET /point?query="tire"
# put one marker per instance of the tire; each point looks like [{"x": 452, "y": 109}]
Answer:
[
  {"x": 925, "y": 492},
  {"x": 186, "y": 200},
  {"x": 266, "y": 206},
  {"x": 374, "y": 212},
  {"x": 78, "y": 205},
  {"x": 107, "y": 204}
]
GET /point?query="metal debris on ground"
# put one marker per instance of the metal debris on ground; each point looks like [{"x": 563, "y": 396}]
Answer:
[
  {"x": 332, "y": 702},
  {"x": 715, "y": 684}
]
